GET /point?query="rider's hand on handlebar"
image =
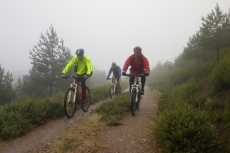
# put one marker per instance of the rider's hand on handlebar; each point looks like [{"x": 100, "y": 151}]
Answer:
[
  {"x": 63, "y": 76},
  {"x": 86, "y": 77},
  {"x": 123, "y": 73},
  {"x": 146, "y": 74}
]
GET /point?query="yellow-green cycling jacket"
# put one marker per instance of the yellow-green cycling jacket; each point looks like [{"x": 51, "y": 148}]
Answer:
[{"x": 83, "y": 67}]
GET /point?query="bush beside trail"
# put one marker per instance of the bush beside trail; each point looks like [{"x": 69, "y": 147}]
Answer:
[{"x": 20, "y": 116}]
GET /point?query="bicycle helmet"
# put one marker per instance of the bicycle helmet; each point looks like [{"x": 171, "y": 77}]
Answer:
[
  {"x": 114, "y": 64},
  {"x": 137, "y": 49},
  {"x": 80, "y": 52}
]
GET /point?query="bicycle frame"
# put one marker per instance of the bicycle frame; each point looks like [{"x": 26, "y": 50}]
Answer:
[
  {"x": 75, "y": 86},
  {"x": 136, "y": 86},
  {"x": 73, "y": 97},
  {"x": 114, "y": 84},
  {"x": 113, "y": 90},
  {"x": 135, "y": 95}
]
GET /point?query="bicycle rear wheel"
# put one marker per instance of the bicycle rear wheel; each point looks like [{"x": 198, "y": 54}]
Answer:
[
  {"x": 117, "y": 92},
  {"x": 85, "y": 106},
  {"x": 70, "y": 103},
  {"x": 112, "y": 92},
  {"x": 133, "y": 102}
]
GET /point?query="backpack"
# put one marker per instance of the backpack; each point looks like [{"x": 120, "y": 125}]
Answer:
[
  {"x": 115, "y": 71},
  {"x": 142, "y": 64}
]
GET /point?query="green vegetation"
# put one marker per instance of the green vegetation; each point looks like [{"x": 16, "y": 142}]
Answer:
[
  {"x": 193, "y": 108},
  {"x": 112, "y": 111},
  {"x": 22, "y": 115},
  {"x": 19, "y": 117},
  {"x": 181, "y": 128},
  {"x": 220, "y": 75},
  {"x": 192, "y": 93},
  {"x": 6, "y": 89}
]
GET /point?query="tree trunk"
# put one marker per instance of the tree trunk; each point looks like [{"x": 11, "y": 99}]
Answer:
[
  {"x": 51, "y": 87},
  {"x": 217, "y": 52}
]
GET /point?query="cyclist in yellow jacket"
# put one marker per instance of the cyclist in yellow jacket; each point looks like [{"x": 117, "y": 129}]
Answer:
[{"x": 83, "y": 68}]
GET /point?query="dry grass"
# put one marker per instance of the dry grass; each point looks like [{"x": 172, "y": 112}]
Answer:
[
  {"x": 156, "y": 95},
  {"x": 78, "y": 138}
]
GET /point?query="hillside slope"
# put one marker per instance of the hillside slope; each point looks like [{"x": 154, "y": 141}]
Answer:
[{"x": 134, "y": 135}]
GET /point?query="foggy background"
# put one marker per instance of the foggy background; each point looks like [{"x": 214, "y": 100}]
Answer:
[{"x": 107, "y": 30}]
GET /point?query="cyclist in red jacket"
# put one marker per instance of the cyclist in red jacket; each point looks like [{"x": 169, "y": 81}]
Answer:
[{"x": 139, "y": 64}]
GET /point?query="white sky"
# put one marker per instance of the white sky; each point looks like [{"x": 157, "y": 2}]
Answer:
[{"x": 107, "y": 30}]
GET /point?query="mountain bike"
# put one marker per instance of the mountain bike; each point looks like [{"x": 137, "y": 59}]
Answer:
[
  {"x": 113, "y": 90},
  {"x": 73, "y": 97},
  {"x": 135, "y": 95}
]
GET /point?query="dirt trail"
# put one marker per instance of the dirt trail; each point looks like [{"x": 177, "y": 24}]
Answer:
[
  {"x": 43, "y": 134},
  {"x": 134, "y": 135}
]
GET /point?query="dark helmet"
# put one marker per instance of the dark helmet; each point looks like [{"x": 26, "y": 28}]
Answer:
[
  {"x": 80, "y": 52},
  {"x": 114, "y": 64},
  {"x": 137, "y": 48}
]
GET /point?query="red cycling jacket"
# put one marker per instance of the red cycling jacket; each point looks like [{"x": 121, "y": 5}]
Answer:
[{"x": 138, "y": 65}]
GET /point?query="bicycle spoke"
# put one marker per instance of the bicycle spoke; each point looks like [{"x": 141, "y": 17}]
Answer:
[
  {"x": 112, "y": 92},
  {"x": 133, "y": 102},
  {"x": 85, "y": 106},
  {"x": 69, "y": 103}
]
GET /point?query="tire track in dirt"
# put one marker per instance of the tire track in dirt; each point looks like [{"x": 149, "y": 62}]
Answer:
[
  {"x": 44, "y": 133},
  {"x": 134, "y": 135}
]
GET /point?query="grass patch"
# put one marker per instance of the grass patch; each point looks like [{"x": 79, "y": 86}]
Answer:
[
  {"x": 112, "y": 111},
  {"x": 79, "y": 138},
  {"x": 83, "y": 139}
]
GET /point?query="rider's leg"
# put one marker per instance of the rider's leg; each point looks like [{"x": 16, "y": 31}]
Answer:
[
  {"x": 131, "y": 81},
  {"x": 118, "y": 84},
  {"x": 143, "y": 79},
  {"x": 83, "y": 85}
]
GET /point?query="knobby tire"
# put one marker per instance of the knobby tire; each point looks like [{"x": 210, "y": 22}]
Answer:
[
  {"x": 133, "y": 103},
  {"x": 111, "y": 92},
  {"x": 69, "y": 104},
  {"x": 85, "y": 106},
  {"x": 138, "y": 102}
]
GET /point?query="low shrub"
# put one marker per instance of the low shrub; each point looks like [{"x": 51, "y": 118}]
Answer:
[
  {"x": 112, "y": 111},
  {"x": 220, "y": 75},
  {"x": 189, "y": 92},
  {"x": 181, "y": 128},
  {"x": 22, "y": 115}
]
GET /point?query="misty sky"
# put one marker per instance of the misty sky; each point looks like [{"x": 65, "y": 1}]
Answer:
[{"x": 107, "y": 30}]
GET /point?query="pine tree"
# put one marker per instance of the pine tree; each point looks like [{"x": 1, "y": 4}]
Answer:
[
  {"x": 6, "y": 89},
  {"x": 48, "y": 60},
  {"x": 194, "y": 50},
  {"x": 213, "y": 31}
]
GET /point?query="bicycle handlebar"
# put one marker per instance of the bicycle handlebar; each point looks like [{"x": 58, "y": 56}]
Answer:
[
  {"x": 111, "y": 78},
  {"x": 71, "y": 76},
  {"x": 135, "y": 75}
]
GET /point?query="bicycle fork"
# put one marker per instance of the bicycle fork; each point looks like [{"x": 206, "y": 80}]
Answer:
[
  {"x": 114, "y": 88},
  {"x": 75, "y": 93},
  {"x": 137, "y": 91}
]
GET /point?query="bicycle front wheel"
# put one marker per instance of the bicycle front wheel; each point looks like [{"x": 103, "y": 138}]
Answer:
[
  {"x": 138, "y": 101},
  {"x": 118, "y": 91},
  {"x": 112, "y": 92},
  {"x": 133, "y": 102},
  {"x": 85, "y": 106},
  {"x": 70, "y": 103}
]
